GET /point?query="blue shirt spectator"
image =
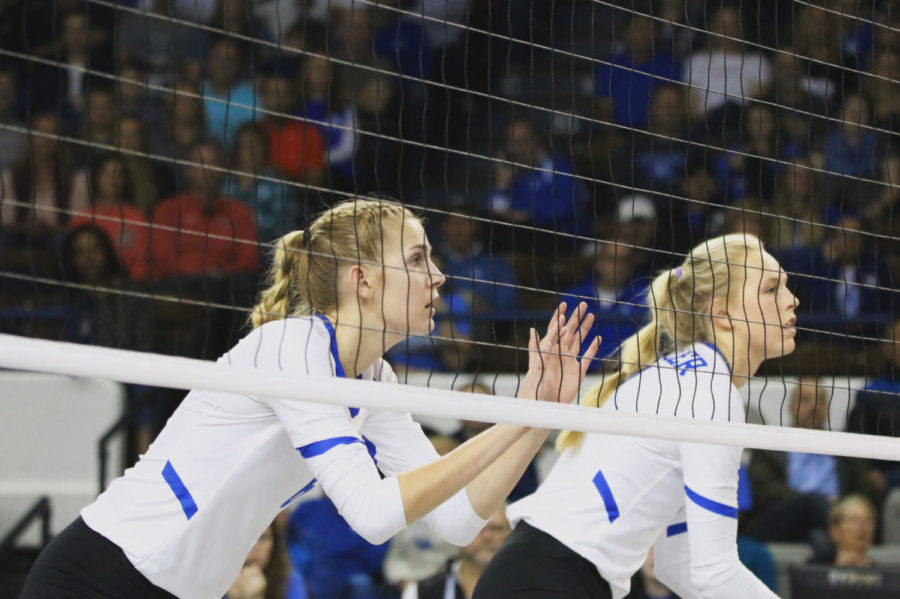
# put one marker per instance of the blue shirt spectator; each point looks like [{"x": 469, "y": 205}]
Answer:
[
  {"x": 633, "y": 74},
  {"x": 401, "y": 41},
  {"x": 614, "y": 296},
  {"x": 484, "y": 279},
  {"x": 545, "y": 195}
]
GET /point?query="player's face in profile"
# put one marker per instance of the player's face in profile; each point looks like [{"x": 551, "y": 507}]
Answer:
[
  {"x": 765, "y": 308},
  {"x": 411, "y": 279}
]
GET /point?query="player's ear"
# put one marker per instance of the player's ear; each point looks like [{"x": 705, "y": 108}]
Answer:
[
  {"x": 719, "y": 314},
  {"x": 360, "y": 280}
]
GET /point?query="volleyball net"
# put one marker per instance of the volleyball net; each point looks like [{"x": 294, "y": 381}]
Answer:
[{"x": 153, "y": 151}]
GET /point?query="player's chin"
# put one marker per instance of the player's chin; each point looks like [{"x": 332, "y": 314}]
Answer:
[{"x": 787, "y": 346}]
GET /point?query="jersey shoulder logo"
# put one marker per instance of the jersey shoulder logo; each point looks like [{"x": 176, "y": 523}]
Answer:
[{"x": 687, "y": 360}]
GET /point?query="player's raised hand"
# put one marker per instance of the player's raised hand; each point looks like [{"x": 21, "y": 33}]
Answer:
[{"x": 555, "y": 366}]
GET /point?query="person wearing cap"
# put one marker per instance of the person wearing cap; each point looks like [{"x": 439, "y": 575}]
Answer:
[{"x": 636, "y": 218}]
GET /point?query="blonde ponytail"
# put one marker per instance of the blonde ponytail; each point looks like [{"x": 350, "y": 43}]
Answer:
[
  {"x": 277, "y": 298},
  {"x": 680, "y": 300}
]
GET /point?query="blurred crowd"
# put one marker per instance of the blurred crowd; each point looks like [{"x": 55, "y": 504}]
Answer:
[{"x": 152, "y": 150}]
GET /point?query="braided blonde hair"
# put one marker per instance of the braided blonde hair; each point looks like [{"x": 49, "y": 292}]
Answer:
[
  {"x": 680, "y": 302},
  {"x": 304, "y": 272}
]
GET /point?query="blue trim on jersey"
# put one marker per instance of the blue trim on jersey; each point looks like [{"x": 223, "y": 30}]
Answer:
[
  {"x": 338, "y": 367},
  {"x": 612, "y": 510},
  {"x": 307, "y": 487},
  {"x": 181, "y": 492},
  {"x": 319, "y": 447},
  {"x": 676, "y": 529},
  {"x": 371, "y": 447},
  {"x": 718, "y": 351},
  {"x": 708, "y": 504}
]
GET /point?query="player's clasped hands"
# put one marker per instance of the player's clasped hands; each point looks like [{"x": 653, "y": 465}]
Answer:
[{"x": 555, "y": 368}]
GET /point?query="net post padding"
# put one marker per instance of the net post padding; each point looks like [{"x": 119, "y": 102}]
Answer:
[{"x": 185, "y": 373}]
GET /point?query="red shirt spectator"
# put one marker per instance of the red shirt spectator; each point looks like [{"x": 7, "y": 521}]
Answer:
[
  {"x": 210, "y": 237},
  {"x": 296, "y": 148},
  {"x": 128, "y": 230},
  {"x": 201, "y": 232}
]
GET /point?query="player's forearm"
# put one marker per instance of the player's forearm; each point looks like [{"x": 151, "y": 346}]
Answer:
[{"x": 425, "y": 488}]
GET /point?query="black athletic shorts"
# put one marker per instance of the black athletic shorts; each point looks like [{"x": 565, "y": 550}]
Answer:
[
  {"x": 81, "y": 563},
  {"x": 533, "y": 565}
]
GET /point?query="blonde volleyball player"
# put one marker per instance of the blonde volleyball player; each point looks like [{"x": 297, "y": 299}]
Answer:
[
  {"x": 610, "y": 499},
  {"x": 359, "y": 280}
]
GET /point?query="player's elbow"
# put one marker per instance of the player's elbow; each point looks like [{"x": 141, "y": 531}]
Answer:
[
  {"x": 375, "y": 532},
  {"x": 460, "y": 536},
  {"x": 710, "y": 578}
]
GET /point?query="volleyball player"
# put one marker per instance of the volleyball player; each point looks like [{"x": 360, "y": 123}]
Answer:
[
  {"x": 357, "y": 281},
  {"x": 610, "y": 499}
]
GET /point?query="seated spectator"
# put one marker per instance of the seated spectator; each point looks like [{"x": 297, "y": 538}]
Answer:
[
  {"x": 792, "y": 491},
  {"x": 273, "y": 201},
  {"x": 539, "y": 190},
  {"x": 858, "y": 160},
  {"x": 228, "y": 96},
  {"x": 800, "y": 114},
  {"x": 636, "y": 225},
  {"x": 295, "y": 147},
  {"x": 137, "y": 100},
  {"x": 267, "y": 571},
  {"x": 202, "y": 232},
  {"x": 12, "y": 143},
  {"x": 400, "y": 39},
  {"x": 875, "y": 411},
  {"x": 614, "y": 296},
  {"x": 475, "y": 273},
  {"x": 100, "y": 117},
  {"x": 35, "y": 191},
  {"x": 623, "y": 84},
  {"x": 851, "y": 529},
  {"x": 800, "y": 208},
  {"x": 703, "y": 210},
  {"x": 726, "y": 73},
  {"x": 238, "y": 18},
  {"x": 462, "y": 574},
  {"x": 335, "y": 117},
  {"x": 657, "y": 160},
  {"x": 841, "y": 275},
  {"x": 883, "y": 88},
  {"x": 818, "y": 42},
  {"x": 185, "y": 128},
  {"x": 158, "y": 42},
  {"x": 63, "y": 89},
  {"x": 334, "y": 561},
  {"x": 109, "y": 207},
  {"x": 751, "y": 167},
  {"x": 150, "y": 178}
]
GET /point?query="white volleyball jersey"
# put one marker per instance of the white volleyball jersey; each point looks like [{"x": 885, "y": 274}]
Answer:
[
  {"x": 188, "y": 513},
  {"x": 613, "y": 497}
]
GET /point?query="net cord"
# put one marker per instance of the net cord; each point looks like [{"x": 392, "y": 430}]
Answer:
[{"x": 184, "y": 373}]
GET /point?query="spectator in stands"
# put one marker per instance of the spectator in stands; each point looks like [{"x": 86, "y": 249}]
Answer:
[
  {"x": 818, "y": 42},
  {"x": 11, "y": 142},
  {"x": 36, "y": 189},
  {"x": 851, "y": 528},
  {"x": 726, "y": 73},
  {"x": 400, "y": 39},
  {"x": 63, "y": 89},
  {"x": 745, "y": 217},
  {"x": 799, "y": 113},
  {"x": 800, "y": 208},
  {"x": 613, "y": 294},
  {"x": 623, "y": 84},
  {"x": 792, "y": 491},
  {"x": 657, "y": 160},
  {"x": 149, "y": 177},
  {"x": 334, "y": 561},
  {"x": 462, "y": 574},
  {"x": 138, "y": 101},
  {"x": 858, "y": 160},
  {"x": 883, "y": 88},
  {"x": 267, "y": 571},
  {"x": 202, "y": 233},
  {"x": 226, "y": 91},
  {"x": 539, "y": 189},
  {"x": 108, "y": 204},
  {"x": 158, "y": 42},
  {"x": 701, "y": 189},
  {"x": 475, "y": 273},
  {"x": 751, "y": 167},
  {"x": 334, "y": 116},
  {"x": 99, "y": 118},
  {"x": 239, "y": 18},
  {"x": 274, "y": 202},
  {"x": 295, "y": 147},
  {"x": 185, "y": 127},
  {"x": 352, "y": 41},
  {"x": 875, "y": 411},
  {"x": 636, "y": 221}
]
